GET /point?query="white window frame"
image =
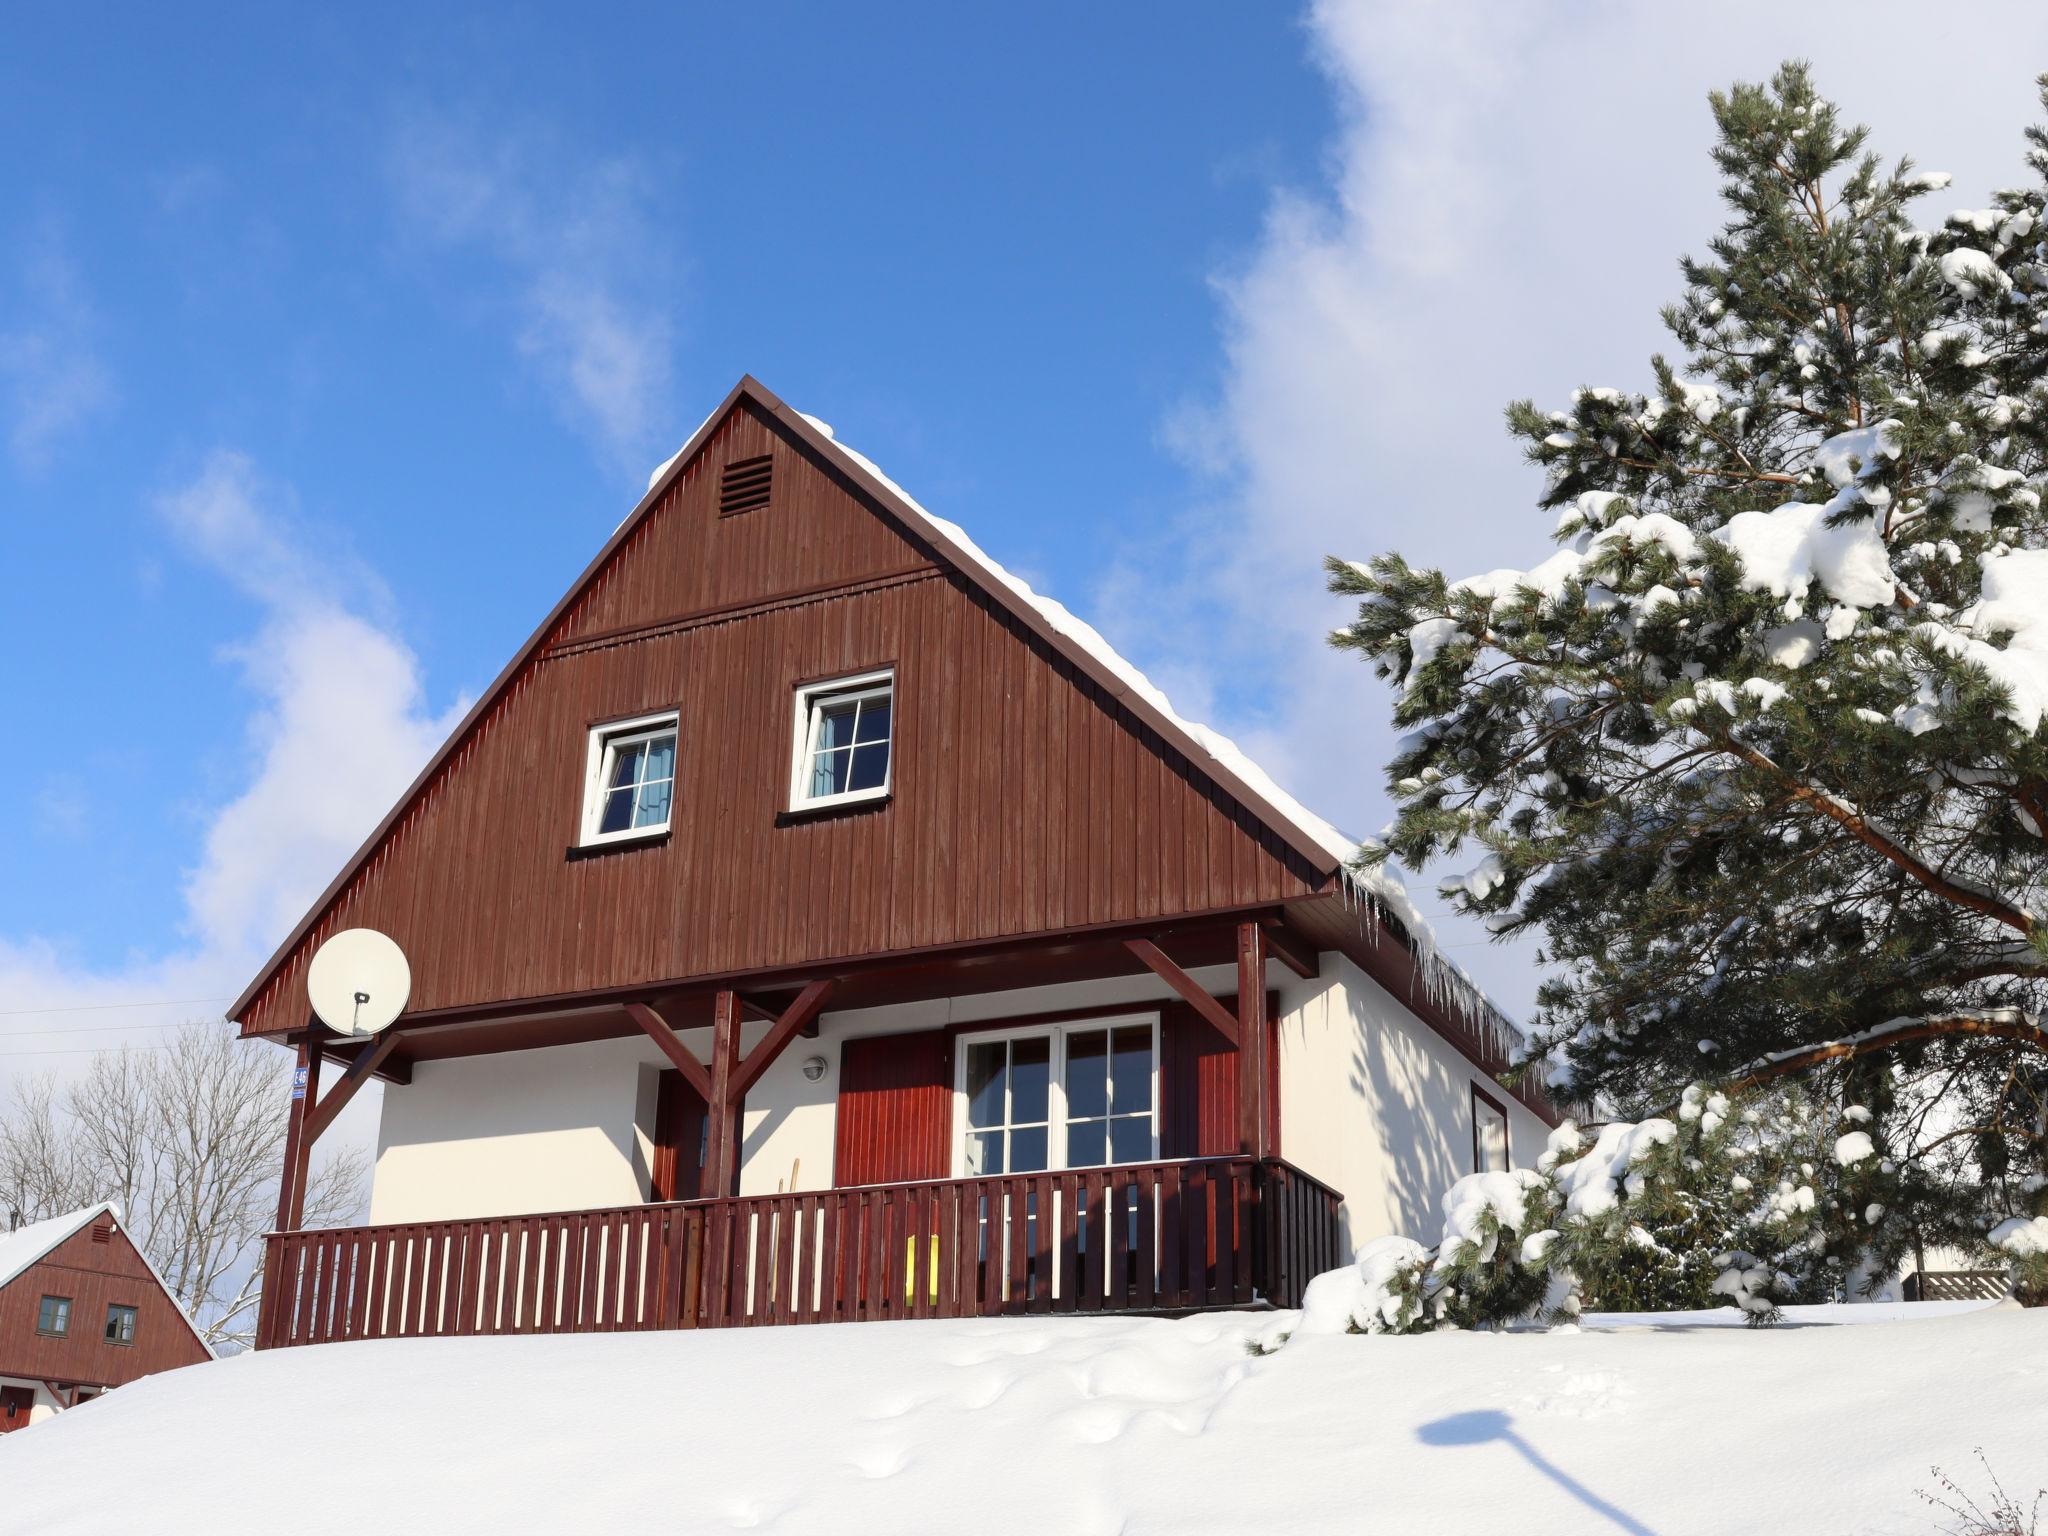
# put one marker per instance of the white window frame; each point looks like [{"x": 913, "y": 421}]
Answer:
[
  {"x": 1056, "y": 1103},
  {"x": 605, "y": 739},
  {"x": 810, "y": 714},
  {"x": 1484, "y": 1105}
]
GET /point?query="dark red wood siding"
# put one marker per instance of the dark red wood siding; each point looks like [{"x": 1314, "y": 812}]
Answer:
[
  {"x": 1198, "y": 1076},
  {"x": 895, "y": 1108},
  {"x": 95, "y": 1275},
  {"x": 1026, "y": 799}
]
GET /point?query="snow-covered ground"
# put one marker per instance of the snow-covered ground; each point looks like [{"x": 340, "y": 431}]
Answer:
[{"x": 1063, "y": 1428}]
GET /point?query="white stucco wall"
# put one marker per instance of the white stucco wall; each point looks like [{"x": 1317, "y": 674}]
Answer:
[
  {"x": 1377, "y": 1105},
  {"x": 569, "y": 1127},
  {"x": 1373, "y": 1103}
]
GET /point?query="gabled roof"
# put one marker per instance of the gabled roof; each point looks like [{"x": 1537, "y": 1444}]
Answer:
[
  {"x": 1323, "y": 848},
  {"x": 25, "y": 1247}
]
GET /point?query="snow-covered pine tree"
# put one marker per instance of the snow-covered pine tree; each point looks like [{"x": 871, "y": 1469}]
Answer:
[{"x": 1759, "y": 748}]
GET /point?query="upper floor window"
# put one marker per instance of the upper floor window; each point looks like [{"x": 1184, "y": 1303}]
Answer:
[
  {"x": 631, "y": 779},
  {"x": 54, "y": 1316},
  {"x": 1489, "y": 1133},
  {"x": 843, "y": 739},
  {"x": 120, "y": 1325}
]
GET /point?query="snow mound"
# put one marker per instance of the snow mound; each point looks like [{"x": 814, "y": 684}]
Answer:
[
  {"x": 1030, "y": 1426},
  {"x": 1789, "y": 549}
]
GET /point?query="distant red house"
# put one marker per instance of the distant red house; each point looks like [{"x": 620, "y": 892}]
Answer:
[{"x": 81, "y": 1312}]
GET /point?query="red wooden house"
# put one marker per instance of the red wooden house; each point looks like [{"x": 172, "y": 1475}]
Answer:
[
  {"x": 82, "y": 1311},
  {"x": 813, "y": 923}
]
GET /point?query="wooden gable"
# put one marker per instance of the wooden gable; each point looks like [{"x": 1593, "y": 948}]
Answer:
[
  {"x": 1029, "y": 795},
  {"x": 94, "y": 1268}
]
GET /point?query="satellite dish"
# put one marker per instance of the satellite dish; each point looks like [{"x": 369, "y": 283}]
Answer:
[{"x": 358, "y": 981}]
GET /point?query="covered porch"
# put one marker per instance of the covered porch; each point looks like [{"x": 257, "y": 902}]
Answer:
[{"x": 1044, "y": 1222}]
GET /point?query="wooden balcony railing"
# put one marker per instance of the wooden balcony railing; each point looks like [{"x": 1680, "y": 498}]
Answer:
[{"x": 1149, "y": 1237}]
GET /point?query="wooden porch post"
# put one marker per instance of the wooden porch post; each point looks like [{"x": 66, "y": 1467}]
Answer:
[
  {"x": 727, "y": 1099},
  {"x": 298, "y": 1145},
  {"x": 1254, "y": 1059}
]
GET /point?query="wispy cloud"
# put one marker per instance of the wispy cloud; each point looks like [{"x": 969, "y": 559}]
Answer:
[
  {"x": 572, "y": 262},
  {"x": 339, "y": 721},
  {"x": 52, "y": 379},
  {"x": 1507, "y": 191}
]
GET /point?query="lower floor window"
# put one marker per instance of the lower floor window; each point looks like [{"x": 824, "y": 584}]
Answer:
[
  {"x": 1489, "y": 1133},
  {"x": 1078, "y": 1095}
]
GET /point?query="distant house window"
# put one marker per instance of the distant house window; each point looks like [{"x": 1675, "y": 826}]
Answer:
[
  {"x": 631, "y": 779},
  {"x": 54, "y": 1316},
  {"x": 120, "y": 1325},
  {"x": 1489, "y": 1133},
  {"x": 844, "y": 731}
]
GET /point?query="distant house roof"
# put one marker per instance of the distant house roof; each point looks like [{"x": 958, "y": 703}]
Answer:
[{"x": 25, "y": 1247}]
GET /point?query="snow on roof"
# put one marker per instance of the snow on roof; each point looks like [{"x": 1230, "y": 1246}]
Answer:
[
  {"x": 26, "y": 1245},
  {"x": 1373, "y": 884}
]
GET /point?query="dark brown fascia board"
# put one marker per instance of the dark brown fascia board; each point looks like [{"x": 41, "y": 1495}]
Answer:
[{"x": 793, "y": 422}]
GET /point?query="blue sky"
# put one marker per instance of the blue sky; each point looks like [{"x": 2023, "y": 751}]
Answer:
[
  {"x": 332, "y": 346},
  {"x": 984, "y": 253}
]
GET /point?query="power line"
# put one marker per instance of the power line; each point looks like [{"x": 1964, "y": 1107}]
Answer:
[{"x": 168, "y": 1002}]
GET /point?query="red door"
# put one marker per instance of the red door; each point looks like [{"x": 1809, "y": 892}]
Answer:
[
  {"x": 679, "y": 1141},
  {"x": 15, "y": 1402}
]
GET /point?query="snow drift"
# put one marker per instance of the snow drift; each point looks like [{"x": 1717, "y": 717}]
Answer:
[{"x": 1050, "y": 1427}]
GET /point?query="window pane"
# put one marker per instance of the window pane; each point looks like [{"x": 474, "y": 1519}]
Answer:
[
  {"x": 835, "y": 725},
  {"x": 984, "y": 1153},
  {"x": 870, "y": 767},
  {"x": 1087, "y": 1073},
  {"x": 1130, "y": 1139},
  {"x": 828, "y": 774},
  {"x": 1493, "y": 1140},
  {"x": 1087, "y": 1143},
  {"x": 985, "y": 1083},
  {"x": 1130, "y": 1069},
  {"x": 652, "y": 810},
  {"x": 661, "y": 758},
  {"x": 618, "y": 810},
  {"x": 874, "y": 721},
  {"x": 625, "y": 766},
  {"x": 1027, "y": 1150},
  {"x": 1030, "y": 1079}
]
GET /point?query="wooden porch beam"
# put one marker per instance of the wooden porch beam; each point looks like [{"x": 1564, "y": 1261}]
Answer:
[
  {"x": 657, "y": 1029},
  {"x": 1190, "y": 990},
  {"x": 291, "y": 1184},
  {"x": 360, "y": 1069},
  {"x": 1254, "y": 1047},
  {"x": 722, "y": 1144},
  {"x": 394, "y": 1068},
  {"x": 1286, "y": 947},
  {"x": 794, "y": 1020}
]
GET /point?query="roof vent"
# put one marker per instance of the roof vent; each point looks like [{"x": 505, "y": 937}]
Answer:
[
  {"x": 101, "y": 1231},
  {"x": 744, "y": 485}
]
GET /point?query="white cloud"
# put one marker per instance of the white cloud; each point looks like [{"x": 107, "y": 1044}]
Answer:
[
  {"x": 572, "y": 247},
  {"x": 52, "y": 380},
  {"x": 339, "y": 724},
  {"x": 1507, "y": 193}
]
